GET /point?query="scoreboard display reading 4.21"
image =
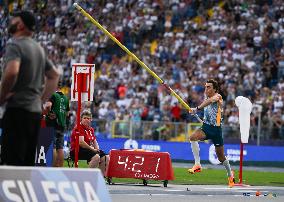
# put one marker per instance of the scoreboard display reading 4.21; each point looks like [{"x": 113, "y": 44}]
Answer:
[{"x": 140, "y": 165}]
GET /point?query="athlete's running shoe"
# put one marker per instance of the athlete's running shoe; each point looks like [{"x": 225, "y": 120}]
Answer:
[
  {"x": 231, "y": 180},
  {"x": 195, "y": 169}
]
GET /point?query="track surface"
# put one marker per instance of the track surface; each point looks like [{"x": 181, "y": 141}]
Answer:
[
  {"x": 197, "y": 193},
  {"x": 180, "y": 193}
]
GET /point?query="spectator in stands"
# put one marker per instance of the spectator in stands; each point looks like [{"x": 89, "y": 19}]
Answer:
[
  {"x": 88, "y": 146},
  {"x": 176, "y": 112},
  {"x": 161, "y": 132},
  {"x": 182, "y": 42},
  {"x": 277, "y": 125}
]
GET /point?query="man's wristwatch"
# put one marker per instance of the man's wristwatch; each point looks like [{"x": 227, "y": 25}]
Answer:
[{"x": 197, "y": 108}]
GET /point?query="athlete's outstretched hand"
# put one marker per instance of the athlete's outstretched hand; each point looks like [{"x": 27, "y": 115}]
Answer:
[{"x": 193, "y": 110}]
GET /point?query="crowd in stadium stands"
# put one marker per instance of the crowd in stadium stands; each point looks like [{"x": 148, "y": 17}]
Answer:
[{"x": 185, "y": 42}]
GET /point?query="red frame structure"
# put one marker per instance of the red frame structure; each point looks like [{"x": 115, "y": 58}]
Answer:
[{"x": 80, "y": 86}]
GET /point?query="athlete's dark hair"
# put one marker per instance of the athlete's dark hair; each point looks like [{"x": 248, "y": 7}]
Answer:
[{"x": 215, "y": 84}]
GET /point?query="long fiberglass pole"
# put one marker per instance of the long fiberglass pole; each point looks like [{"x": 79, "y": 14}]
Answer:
[{"x": 183, "y": 103}]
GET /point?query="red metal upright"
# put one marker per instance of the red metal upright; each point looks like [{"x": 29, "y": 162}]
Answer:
[
  {"x": 241, "y": 163},
  {"x": 240, "y": 183},
  {"x": 79, "y": 86}
]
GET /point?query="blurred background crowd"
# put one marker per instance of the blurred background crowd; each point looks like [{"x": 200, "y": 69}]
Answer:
[{"x": 185, "y": 42}]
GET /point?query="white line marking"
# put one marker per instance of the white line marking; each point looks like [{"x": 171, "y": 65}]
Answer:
[
  {"x": 216, "y": 188},
  {"x": 174, "y": 190},
  {"x": 153, "y": 194},
  {"x": 241, "y": 191},
  {"x": 235, "y": 188}
]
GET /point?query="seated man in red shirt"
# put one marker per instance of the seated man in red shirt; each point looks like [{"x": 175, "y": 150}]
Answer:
[{"x": 88, "y": 146}]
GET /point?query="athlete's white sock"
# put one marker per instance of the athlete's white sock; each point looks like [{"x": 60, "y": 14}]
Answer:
[
  {"x": 228, "y": 167},
  {"x": 195, "y": 150}
]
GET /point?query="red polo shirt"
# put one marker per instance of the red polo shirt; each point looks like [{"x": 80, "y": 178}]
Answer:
[{"x": 87, "y": 132}]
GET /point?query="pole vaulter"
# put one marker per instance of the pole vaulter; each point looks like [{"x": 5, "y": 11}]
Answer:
[{"x": 183, "y": 103}]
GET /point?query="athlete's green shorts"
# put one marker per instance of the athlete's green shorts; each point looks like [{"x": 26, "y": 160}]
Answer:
[{"x": 213, "y": 133}]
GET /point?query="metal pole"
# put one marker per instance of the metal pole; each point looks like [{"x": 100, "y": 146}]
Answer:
[
  {"x": 241, "y": 164},
  {"x": 79, "y": 85},
  {"x": 258, "y": 128},
  {"x": 240, "y": 183},
  {"x": 131, "y": 129}
]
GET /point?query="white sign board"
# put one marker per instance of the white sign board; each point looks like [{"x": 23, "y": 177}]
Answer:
[
  {"x": 40, "y": 184},
  {"x": 87, "y": 73}
]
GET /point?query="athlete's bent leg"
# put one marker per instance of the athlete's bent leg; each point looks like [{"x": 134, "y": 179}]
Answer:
[
  {"x": 195, "y": 150},
  {"x": 197, "y": 135}
]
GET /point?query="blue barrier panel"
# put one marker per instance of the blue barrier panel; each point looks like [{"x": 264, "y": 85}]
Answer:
[
  {"x": 182, "y": 150},
  {"x": 44, "y": 149},
  {"x": 52, "y": 184}
]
